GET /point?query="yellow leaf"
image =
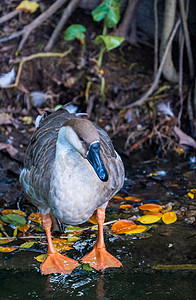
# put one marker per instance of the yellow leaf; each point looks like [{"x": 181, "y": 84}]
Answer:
[
  {"x": 0, "y": 234},
  {"x": 36, "y": 217},
  {"x": 27, "y": 120},
  {"x": 149, "y": 219},
  {"x": 169, "y": 217},
  {"x": 193, "y": 191},
  {"x": 93, "y": 219},
  {"x": 191, "y": 195},
  {"x": 118, "y": 198},
  {"x": 27, "y": 245},
  {"x": 61, "y": 247},
  {"x": 15, "y": 231},
  {"x": 154, "y": 213},
  {"x": 41, "y": 257},
  {"x": 7, "y": 249},
  {"x": 28, "y": 6},
  {"x": 166, "y": 208},
  {"x": 14, "y": 211},
  {"x": 6, "y": 241},
  {"x": 73, "y": 238},
  {"x": 138, "y": 229}
]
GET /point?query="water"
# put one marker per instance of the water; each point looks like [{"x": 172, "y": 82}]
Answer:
[{"x": 172, "y": 244}]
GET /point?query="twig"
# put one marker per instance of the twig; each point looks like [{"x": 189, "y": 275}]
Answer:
[
  {"x": 33, "y": 56},
  {"x": 9, "y": 16},
  {"x": 37, "y": 22},
  {"x": 156, "y": 80},
  {"x": 187, "y": 38},
  {"x": 66, "y": 14},
  {"x": 156, "y": 29}
]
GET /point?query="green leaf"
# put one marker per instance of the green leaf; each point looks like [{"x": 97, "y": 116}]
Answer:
[
  {"x": 38, "y": 228},
  {"x": 27, "y": 245},
  {"x": 72, "y": 228},
  {"x": 14, "y": 219},
  {"x": 100, "y": 12},
  {"x": 74, "y": 31},
  {"x": 87, "y": 267},
  {"x": 110, "y": 41},
  {"x": 113, "y": 16}
]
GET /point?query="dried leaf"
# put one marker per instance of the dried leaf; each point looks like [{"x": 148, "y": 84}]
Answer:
[
  {"x": 154, "y": 213},
  {"x": 118, "y": 198},
  {"x": 7, "y": 249},
  {"x": 184, "y": 138},
  {"x": 135, "y": 199},
  {"x": 151, "y": 207},
  {"x": 166, "y": 208},
  {"x": 175, "y": 267},
  {"x": 36, "y": 217},
  {"x": 123, "y": 226},
  {"x": 93, "y": 219},
  {"x": 9, "y": 148},
  {"x": 14, "y": 211},
  {"x": 126, "y": 206},
  {"x": 5, "y": 119},
  {"x": 191, "y": 195},
  {"x": 6, "y": 241},
  {"x": 149, "y": 219},
  {"x": 138, "y": 229},
  {"x": 27, "y": 120},
  {"x": 27, "y": 245},
  {"x": 41, "y": 257},
  {"x": 14, "y": 219},
  {"x": 169, "y": 217},
  {"x": 24, "y": 228},
  {"x": 28, "y": 6}
]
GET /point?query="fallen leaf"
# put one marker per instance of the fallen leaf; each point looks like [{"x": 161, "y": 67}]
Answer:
[
  {"x": 36, "y": 217},
  {"x": 73, "y": 238},
  {"x": 118, "y": 198},
  {"x": 193, "y": 191},
  {"x": 169, "y": 217},
  {"x": 123, "y": 226},
  {"x": 138, "y": 229},
  {"x": 126, "y": 206},
  {"x": 41, "y": 257},
  {"x": 154, "y": 213},
  {"x": 28, "y": 6},
  {"x": 185, "y": 140},
  {"x": 191, "y": 195},
  {"x": 151, "y": 207},
  {"x": 14, "y": 211},
  {"x": 5, "y": 119},
  {"x": 148, "y": 219},
  {"x": 166, "y": 208},
  {"x": 27, "y": 120},
  {"x": 175, "y": 267},
  {"x": 7, "y": 249},
  {"x": 87, "y": 267},
  {"x": 135, "y": 199},
  {"x": 27, "y": 245},
  {"x": 14, "y": 219},
  {"x": 24, "y": 228},
  {"x": 93, "y": 219},
  {"x": 72, "y": 228},
  {"x": 5, "y": 241}
]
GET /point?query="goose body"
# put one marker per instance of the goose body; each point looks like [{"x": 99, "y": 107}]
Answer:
[{"x": 71, "y": 168}]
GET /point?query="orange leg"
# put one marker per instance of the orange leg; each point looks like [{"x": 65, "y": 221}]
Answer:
[
  {"x": 55, "y": 262},
  {"x": 99, "y": 258}
]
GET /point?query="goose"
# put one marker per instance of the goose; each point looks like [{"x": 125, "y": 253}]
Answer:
[{"x": 70, "y": 171}]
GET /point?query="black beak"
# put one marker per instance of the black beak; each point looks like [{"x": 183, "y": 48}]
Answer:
[{"x": 95, "y": 160}]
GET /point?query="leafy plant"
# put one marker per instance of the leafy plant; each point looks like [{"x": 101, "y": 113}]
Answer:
[
  {"x": 76, "y": 31},
  {"x": 109, "y": 11}
]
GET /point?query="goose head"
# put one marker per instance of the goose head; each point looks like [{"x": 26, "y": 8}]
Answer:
[{"x": 82, "y": 135}]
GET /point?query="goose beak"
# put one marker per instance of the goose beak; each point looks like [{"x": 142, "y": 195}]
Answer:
[{"x": 95, "y": 160}]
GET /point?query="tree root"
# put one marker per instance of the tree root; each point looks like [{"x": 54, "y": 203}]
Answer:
[
  {"x": 156, "y": 81},
  {"x": 33, "y": 56}
]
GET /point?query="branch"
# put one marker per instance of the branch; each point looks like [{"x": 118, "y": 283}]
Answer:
[
  {"x": 37, "y": 22},
  {"x": 156, "y": 81},
  {"x": 9, "y": 16},
  {"x": 66, "y": 14}
]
